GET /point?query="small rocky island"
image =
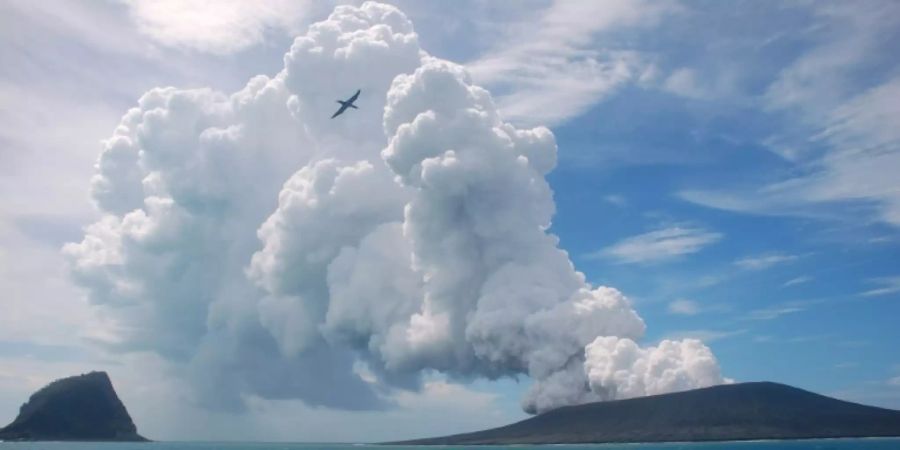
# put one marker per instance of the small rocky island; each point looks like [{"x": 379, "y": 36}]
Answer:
[
  {"x": 722, "y": 413},
  {"x": 79, "y": 408}
]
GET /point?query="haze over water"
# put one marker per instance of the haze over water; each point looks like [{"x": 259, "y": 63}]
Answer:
[{"x": 815, "y": 444}]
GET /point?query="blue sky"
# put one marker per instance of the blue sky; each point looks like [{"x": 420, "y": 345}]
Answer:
[
  {"x": 804, "y": 294},
  {"x": 732, "y": 167}
]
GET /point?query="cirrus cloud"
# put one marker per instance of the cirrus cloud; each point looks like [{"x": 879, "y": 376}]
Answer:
[{"x": 659, "y": 245}]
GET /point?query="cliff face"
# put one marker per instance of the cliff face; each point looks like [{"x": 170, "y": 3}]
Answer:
[
  {"x": 79, "y": 408},
  {"x": 729, "y": 412}
]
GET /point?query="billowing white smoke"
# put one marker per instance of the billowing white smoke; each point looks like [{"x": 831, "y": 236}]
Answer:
[
  {"x": 271, "y": 250},
  {"x": 618, "y": 368}
]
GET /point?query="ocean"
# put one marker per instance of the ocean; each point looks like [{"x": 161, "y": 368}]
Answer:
[{"x": 819, "y": 444}]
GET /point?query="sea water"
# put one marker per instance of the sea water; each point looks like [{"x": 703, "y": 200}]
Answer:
[{"x": 819, "y": 444}]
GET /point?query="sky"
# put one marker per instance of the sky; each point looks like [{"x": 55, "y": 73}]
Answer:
[{"x": 728, "y": 170}]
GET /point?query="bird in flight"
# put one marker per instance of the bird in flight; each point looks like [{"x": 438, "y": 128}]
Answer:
[{"x": 347, "y": 104}]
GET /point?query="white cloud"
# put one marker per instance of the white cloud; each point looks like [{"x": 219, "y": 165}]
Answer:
[
  {"x": 440, "y": 394},
  {"x": 554, "y": 66},
  {"x": 761, "y": 201},
  {"x": 615, "y": 199},
  {"x": 895, "y": 381},
  {"x": 775, "y": 312},
  {"x": 887, "y": 286},
  {"x": 851, "y": 123},
  {"x": 818, "y": 79},
  {"x": 618, "y": 368},
  {"x": 223, "y": 27},
  {"x": 660, "y": 245},
  {"x": 82, "y": 67},
  {"x": 763, "y": 262},
  {"x": 249, "y": 233},
  {"x": 866, "y": 153},
  {"x": 797, "y": 280},
  {"x": 684, "y": 307},
  {"x": 684, "y": 82}
]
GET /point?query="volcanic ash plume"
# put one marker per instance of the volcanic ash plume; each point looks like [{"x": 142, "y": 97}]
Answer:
[{"x": 274, "y": 252}]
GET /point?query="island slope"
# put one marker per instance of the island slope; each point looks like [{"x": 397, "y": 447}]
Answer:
[
  {"x": 79, "y": 408},
  {"x": 743, "y": 411}
]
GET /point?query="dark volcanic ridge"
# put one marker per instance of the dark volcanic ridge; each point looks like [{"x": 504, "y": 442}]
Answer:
[
  {"x": 744, "y": 411},
  {"x": 79, "y": 408}
]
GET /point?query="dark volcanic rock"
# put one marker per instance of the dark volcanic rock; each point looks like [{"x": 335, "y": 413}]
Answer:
[
  {"x": 79, "y": 408},
  {"x": 729, "y": 412}
]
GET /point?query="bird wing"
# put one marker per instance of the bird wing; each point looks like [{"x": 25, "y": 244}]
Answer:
[
  {"x": 355, "y": 96},
  {"x": 341, "y": 110}
]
